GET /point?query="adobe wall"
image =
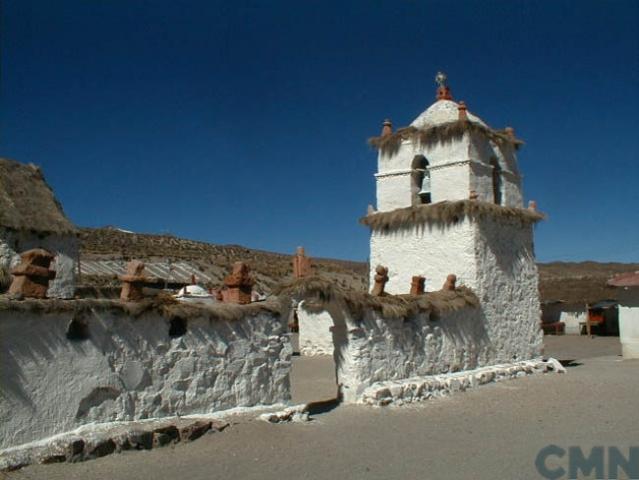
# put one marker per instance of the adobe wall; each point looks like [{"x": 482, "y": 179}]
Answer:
[
  {"x": 131, "y": 368},
  {"x": 315, "y": 337},
  {"x": 432, "y": 251},
  {"x": 375, "y": 349}
]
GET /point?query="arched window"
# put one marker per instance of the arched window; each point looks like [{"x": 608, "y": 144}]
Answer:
[
  {"x": 497, "y": 183},
  {"x": 420, "y": 180}
]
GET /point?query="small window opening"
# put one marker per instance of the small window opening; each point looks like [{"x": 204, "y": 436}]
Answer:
[
  {"x": 78, "y": 329},
  {"x": 177, "y": 327}
]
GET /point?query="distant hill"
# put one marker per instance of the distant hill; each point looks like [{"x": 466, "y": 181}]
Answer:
[
  {"x": 580, "y": 283},
  {"x": 104, "y": 252}
]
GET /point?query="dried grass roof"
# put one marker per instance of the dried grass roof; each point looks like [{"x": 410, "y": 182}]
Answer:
[
  {"x": 166, "y": 305},
  {"x": 320, "y": 292},
  {"x": 445, "y": 132},
  {"x": 27, "y": 202},
  {"x": 445, "y": 212}
]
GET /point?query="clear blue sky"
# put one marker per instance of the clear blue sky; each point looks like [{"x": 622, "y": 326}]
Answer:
[{"x": 246, "y": 122}]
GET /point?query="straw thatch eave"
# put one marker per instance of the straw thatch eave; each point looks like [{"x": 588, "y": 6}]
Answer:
[
  {"x": 445, "y": 213},
  {"x": 445, "y": 132},
  {"x": 320, "y": 293},
  {"x": 27, "y": 203},
  {"x": 164, "y": 305}
]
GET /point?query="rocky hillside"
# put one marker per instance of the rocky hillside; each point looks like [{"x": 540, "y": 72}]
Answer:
[
  {"x": 104, "y": 252},
  {"x": 580, "y": 283}
]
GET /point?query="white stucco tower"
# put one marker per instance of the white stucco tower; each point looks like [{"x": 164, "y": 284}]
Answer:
[{"x": 449, "y": 201}]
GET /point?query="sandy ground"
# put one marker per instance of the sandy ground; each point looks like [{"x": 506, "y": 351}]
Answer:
[{"x": 492, "y": 432}]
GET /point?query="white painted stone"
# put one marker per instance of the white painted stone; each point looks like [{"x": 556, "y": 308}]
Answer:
[
  {"x": 442, "y": 111},
  {"x": 433, "y": 251},
  {"x": 64, "y": 247},
  {"x": 315, "y": 337},
  {"x": 571, "y": 320},
  {"x": 130, "y": 369},
  {"x": 423, "y": 388},
  {"x": 629, "y": 321},
  {"x": 455, "y": 167}
]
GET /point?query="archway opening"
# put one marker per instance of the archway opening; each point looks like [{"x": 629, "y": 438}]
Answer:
[{"x": 314, "y": 369}]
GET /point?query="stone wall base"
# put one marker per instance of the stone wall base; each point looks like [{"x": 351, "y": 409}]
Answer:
[{"x": 418, "y": 389}]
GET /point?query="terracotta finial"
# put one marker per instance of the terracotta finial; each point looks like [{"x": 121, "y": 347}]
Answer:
[
  {"x": 381, "y": 277},
  {"x": 417, "y": 285},
  {"x": 133, "y": 281},
  {"x": 450, "y": 282},
  {"x": 532, "y": 205},
  {"x": 301, "y": 264},
  {"x": 443, "y": 91},
  {"x": 31, "y": 277},
  {"x": 387, "y": 128},
  {"x": 239, "y": 284},
  {"x": 462, "y": 112}
]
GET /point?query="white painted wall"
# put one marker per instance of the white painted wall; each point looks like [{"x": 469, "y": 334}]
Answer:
[
  {"x": 572, "y": 321},
  {"x": 433, "y": 251},
  {"x": 455, "y": 166},
  {"x": 315, "y": 337},
  {"x": 64, "y": 247},
  {"x": 131, "y": 369},
  {"x": 629, "y": 331},
  {"x": 493, "y": 256},
  {"x": 393, "y": 190},
  {"x": 376, "y": 349},
  {"x": 507, "y": 287},
  {"x": 629, "y": 321}
]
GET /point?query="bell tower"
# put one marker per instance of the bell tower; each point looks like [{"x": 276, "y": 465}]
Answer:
[{"x": 449, "y": 201}]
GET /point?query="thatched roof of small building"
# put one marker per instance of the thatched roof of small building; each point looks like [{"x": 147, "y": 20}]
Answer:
[
  {"x": 319, "y": 292},
  {"x": 27, "y": 202},
  {"x": 445, "y": 212},
  {"x": 445, "y": 132}
]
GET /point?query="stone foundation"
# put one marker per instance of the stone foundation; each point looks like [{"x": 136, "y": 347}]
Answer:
[{"x": 423, "y": 388}]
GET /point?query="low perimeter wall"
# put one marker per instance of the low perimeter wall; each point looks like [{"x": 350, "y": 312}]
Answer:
[
  {"x": 376, "y": 348},
  {"x": 397, "y": 337},
  {"x": 69, "y": 363}
]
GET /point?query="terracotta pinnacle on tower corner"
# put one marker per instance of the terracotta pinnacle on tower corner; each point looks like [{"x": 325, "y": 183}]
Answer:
[
  {"x": 462, "y": 111},
  {"x": 387, "y": 128}
]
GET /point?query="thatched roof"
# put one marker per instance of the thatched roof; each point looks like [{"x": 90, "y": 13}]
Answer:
[
  {"x": 27, "y": 202},
  {"x": 445, "y": 132},
  {"x": 445, "y": 212},
  {"x": 318, "y": 292},
  {"x": 165, "y": 305}
]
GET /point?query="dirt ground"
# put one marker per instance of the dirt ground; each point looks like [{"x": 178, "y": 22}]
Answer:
[{"x": 492, "y": 432}]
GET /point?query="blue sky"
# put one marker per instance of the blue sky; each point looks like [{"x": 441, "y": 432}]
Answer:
[{"x": 246, "y": 122}]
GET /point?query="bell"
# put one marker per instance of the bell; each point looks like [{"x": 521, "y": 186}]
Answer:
[{"x": 425, "y": 186}]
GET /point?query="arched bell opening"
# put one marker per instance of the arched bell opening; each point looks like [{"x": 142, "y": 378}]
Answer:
[
  {"x": 420, "y": 181},
  {"x": 497, "y": 182}
]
